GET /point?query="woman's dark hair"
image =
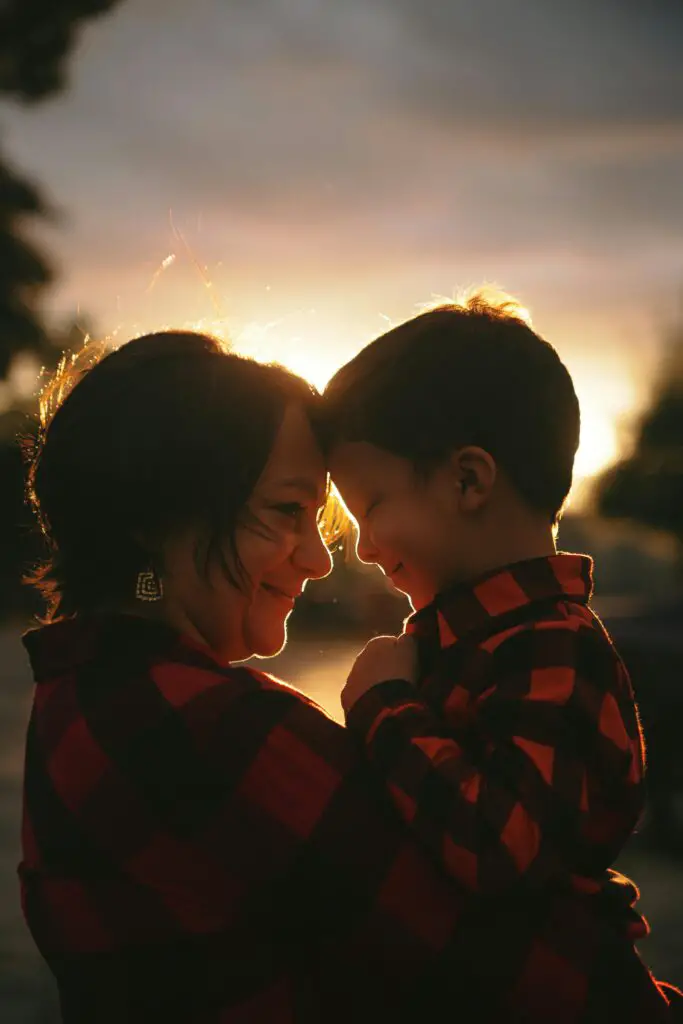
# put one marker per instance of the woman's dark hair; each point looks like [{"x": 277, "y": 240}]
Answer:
[
  {"x": 465, "y": 374},
  {"x": 169, "y": 431}
]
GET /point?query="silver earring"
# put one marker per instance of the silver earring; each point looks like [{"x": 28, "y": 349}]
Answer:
[{"x": 149, "y": 586}]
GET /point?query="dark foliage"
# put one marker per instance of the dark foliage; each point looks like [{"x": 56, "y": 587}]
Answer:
[
  {"x": 36, "y": 37},
  {"x": 647, "y": 486}
]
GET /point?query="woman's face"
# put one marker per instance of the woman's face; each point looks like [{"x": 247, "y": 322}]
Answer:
[{"x": 280, "y": 548}]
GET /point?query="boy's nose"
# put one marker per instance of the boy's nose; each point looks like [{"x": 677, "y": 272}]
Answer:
[{"x": 366, "y": 549}]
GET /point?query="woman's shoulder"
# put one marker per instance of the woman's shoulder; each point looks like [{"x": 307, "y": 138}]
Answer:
[
  {"x": 273, "y": 684},
  {"x": 239, "y": 715},
  {"x": 182, "y": 682}
]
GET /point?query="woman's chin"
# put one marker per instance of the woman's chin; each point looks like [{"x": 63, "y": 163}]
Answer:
[{"x": 266, "y": 643}]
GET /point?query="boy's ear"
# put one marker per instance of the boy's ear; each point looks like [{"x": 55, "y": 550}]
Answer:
[{"x": 475, "y": 473}]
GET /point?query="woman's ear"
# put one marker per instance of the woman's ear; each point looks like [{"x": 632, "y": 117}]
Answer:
[
  {"x": 151, "y": 549},
  {"x": 144, "y": 542},
  {"x": 475, "y": 473}
]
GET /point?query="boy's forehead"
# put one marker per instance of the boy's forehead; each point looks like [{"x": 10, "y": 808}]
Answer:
[{"x": 361, "y": 464}]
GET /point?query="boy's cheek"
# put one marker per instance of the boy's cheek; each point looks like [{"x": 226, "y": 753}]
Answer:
[
  {"x": 403, "y": 538},
  {"x": 391, "y": 532}
]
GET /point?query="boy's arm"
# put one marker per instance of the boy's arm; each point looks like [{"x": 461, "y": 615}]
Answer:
[
  {"x": 555, "y": 766},
  {"x": 303, "y": 817}
]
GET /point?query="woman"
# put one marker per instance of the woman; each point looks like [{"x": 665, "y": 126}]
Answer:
[{"x": 200, "y": 842}]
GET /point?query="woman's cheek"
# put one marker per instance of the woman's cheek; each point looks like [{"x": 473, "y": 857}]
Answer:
[
  {"x": 259, "y": 552},
  {"x": 281, "y": 545},
  {"x": 278, "y": 539}
]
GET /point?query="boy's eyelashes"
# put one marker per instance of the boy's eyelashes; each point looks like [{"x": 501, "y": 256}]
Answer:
[{"x": 371, "y": 507}]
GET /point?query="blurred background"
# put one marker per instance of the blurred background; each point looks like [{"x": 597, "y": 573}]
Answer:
[{"x": 296, "y": 175}]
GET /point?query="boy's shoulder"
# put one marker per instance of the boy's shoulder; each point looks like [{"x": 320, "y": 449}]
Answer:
[{"x": 567, "y": 634}]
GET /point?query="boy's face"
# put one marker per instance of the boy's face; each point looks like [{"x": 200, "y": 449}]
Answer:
[{"x": 412, "y": 527}]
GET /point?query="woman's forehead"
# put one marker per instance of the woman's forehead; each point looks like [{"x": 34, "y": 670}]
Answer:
[{"x": 296, "y": 461}]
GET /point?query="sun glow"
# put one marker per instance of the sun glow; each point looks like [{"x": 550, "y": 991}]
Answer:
[
  {"x": 607, "y": 404},
  {"x": 605, "y": 400},
  {"x": 313, "y": 354},
  {"x": 311, "y": 350},
  {"x": 311, "y": 346},
  {"x": 599, "y": 444}
]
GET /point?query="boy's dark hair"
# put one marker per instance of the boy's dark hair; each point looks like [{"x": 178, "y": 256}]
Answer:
[
  {"x": 465, "y": 374},
  {"x": 169, "y": 431}
]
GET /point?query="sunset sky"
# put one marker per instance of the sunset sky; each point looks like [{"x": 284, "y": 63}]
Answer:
[{"x": 332, "y": 165}]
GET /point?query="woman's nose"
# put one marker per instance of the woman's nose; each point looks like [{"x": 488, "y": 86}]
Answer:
[{"x": 312, "y": 555}]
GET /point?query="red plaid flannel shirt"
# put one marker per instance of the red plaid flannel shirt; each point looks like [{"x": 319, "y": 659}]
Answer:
[
  {"x": 202, "y": 844},
  {"x": 519, "y": 761}
]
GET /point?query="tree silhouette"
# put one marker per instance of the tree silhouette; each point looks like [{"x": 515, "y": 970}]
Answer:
[
  {"x": 35, "y": 39},
  {"x": 647, "y": 487},
  {"x": 23, "y": 272}
]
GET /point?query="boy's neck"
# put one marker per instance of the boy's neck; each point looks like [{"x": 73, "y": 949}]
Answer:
[{"x": 520, "y": 542}]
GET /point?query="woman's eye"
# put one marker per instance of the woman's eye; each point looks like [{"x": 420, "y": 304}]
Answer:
[
  {"x": 371, "y": 507},
  {"x": 290, "y": 509}
]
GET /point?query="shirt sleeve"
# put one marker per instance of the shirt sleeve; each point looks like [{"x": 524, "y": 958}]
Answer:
[
  {"x": 304, "y": 822},
  {"x": 537, "y": 777}
]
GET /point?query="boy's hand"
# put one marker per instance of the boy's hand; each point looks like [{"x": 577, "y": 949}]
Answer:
[{"x": 382, "y": 659}]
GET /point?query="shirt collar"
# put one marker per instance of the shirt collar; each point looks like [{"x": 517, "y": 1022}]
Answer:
[
  {"x": 462, "y": 609},
  {"x": 60, "y": 647}
]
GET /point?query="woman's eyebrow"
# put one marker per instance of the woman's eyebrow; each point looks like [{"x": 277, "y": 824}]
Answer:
[{"x": 301, "y": 483}]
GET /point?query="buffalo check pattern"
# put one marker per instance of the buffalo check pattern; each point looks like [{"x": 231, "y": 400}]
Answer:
[
  {"x": 202, "y": 844},
  {"x": 518, "y": 761}
]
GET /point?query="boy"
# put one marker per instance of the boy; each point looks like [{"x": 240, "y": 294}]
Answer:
[{"x": 517, "y": 758}]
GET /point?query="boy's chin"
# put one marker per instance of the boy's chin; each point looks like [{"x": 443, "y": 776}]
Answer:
[
  {"x": 401, "y": 588},
  {"x": 419, "y": 598}
]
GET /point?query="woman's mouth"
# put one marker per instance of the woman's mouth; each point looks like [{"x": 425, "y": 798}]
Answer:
[{"x": 278, "y": 593}]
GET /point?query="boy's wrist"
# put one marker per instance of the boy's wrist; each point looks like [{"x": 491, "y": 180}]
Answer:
[{"x": 362, "y": 715}]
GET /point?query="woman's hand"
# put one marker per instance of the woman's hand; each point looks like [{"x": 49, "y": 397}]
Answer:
[{"x": 382, "y": 659}]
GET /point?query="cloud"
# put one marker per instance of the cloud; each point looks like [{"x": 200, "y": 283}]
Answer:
[
  {"x": 536, "y": 61},
  {"x": 359, "y": 142}
]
